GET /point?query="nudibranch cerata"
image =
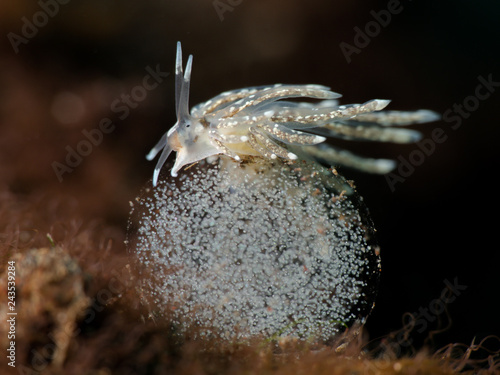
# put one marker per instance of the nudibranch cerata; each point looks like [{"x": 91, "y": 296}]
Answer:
[{"x": 257, "y": 121}]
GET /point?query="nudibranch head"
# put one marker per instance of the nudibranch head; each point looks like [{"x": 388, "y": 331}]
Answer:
[
  {"x": 188, "y": 137},
  {"x": 257, "y": 121}
]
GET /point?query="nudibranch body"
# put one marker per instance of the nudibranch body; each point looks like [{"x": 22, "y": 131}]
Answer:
[
  {"x": 256, "y": 121},
  {"x": 256, "y": 238}
]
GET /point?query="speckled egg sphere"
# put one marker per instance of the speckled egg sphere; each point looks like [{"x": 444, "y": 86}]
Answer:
[{"x": 258, "y": 248}]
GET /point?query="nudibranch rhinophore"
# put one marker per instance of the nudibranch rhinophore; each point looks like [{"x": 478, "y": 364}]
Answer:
[{"x": 255, "y": 237}]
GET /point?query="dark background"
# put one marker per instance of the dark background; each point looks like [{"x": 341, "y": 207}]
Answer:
[{"x": 439, "y": 224}]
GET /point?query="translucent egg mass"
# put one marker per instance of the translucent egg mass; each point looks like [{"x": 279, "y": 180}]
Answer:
[{"x": 250, "y": 236}]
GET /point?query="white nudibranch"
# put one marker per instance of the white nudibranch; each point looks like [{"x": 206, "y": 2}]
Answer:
[
  {"x": 258, "y": 239},
  {"x": 256, "y": 121}
]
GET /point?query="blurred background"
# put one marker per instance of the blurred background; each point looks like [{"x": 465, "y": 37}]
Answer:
[{"x": 70, "y": 67}]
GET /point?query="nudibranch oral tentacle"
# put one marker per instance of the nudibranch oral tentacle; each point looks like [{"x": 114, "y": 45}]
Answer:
[{"x": 256, "y": 121}]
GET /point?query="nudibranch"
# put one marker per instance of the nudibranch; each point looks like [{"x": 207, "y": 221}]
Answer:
[
  {"x": 256, "y": 238},
  {"x": 256, "y": 121}
]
